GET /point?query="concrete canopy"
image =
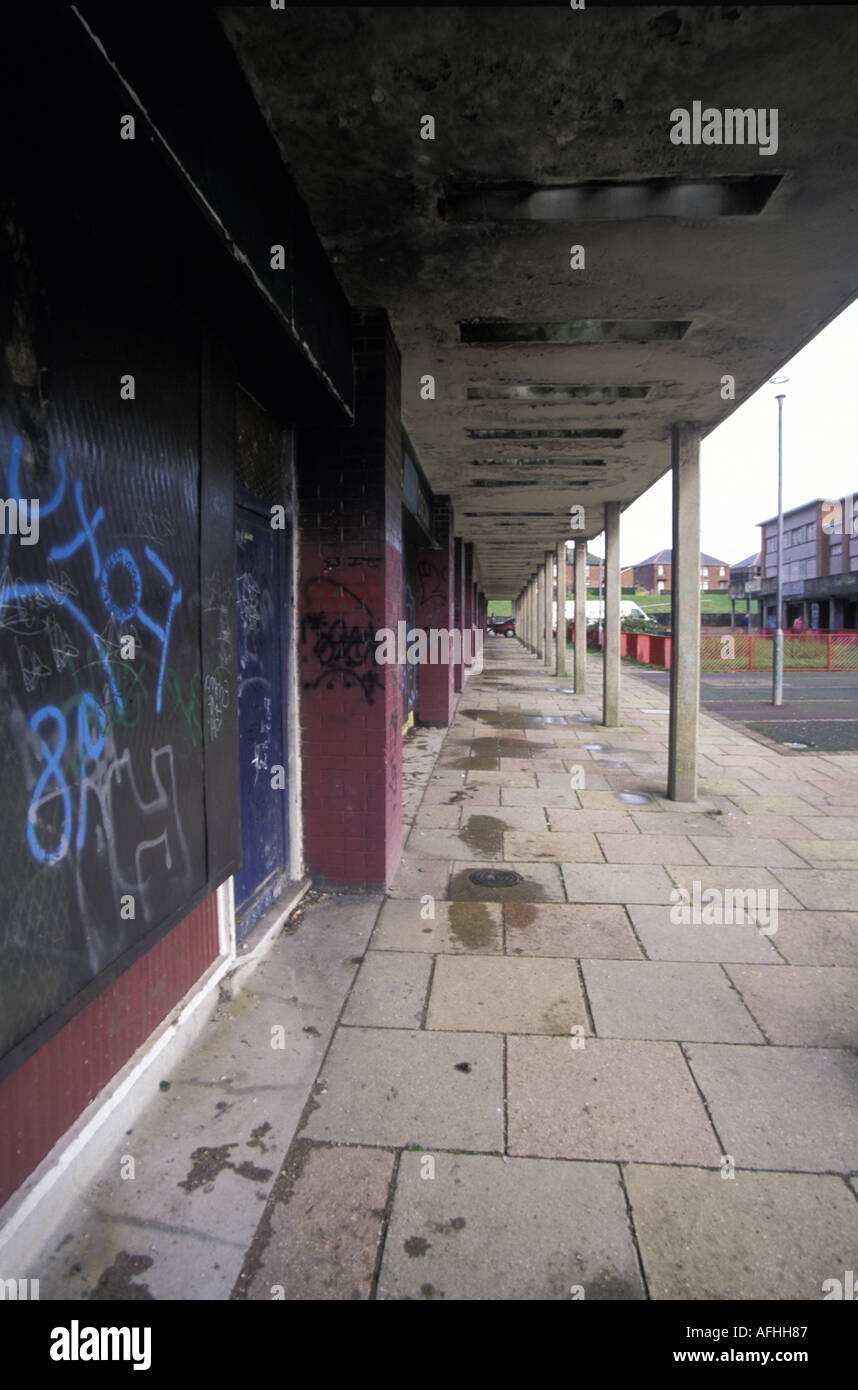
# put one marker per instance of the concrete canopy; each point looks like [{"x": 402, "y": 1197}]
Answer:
[{"x": 450, "y": 232}]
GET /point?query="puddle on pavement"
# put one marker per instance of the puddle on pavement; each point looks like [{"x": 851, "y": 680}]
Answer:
[
  {"x": 500, "y": 747},
  {"x": 594, "y": 747},
  {"x": 463, "y": 890},
  {"x": 484, "y": 833},
  {"x": 633, "y": 798},
  {"x": 471, "y": 926},
  {"x": 516, "y": 916},
  {"x": 476, "y": 764},
  {"x": 540, "y": 721}
]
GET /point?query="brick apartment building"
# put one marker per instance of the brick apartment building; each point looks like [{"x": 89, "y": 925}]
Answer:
[
  {"x": 594, "y": 564},
  {"x": 655, "y": 574}
]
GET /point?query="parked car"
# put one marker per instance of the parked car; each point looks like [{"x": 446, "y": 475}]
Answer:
[{"x": 501, "y": 627}]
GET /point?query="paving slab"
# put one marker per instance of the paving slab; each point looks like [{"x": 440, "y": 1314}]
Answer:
[
  {"x": 788, "y": 1108},
  {"x": 319, "y": 1235},
  {"x": 831, "y": 827},
  {"x": 519, "y": 1230},
  {"x": 513, "y": 817},
  {"x": 541, "y": 882},
  {"x": 439, "y": 817},
  {"x": 738, "y": 878},
  {"x": 818, "y": 938},
  {"x": 775, "y": 806},
  {"x": 807, "y": 1005},
  {"x": 449, "y": 844},
  {"x": 416, "y": 876},
  {"x": 661, "y": 999},
  {"x": 833, "y": 889},
  {"x": 745, "y": 851},
  {"x": 594, "y": 822},
  {"x": 608, "y": 1100},
  {"x": 390, "y": 990},
  {"x": 540, "y": 796},
  {"x": 490, "y": 994},
  {"x": 767, "y": 827},
  {"x": 406, "y": 925},
  {"x": 648, "y": 849},
  {"x": 461, "y": 796},
  {"x": 577, "y": 847},
  {"x": 665, "y": 940},
  {"x": 821, "y": 853},
  {"x": 755, "y": 1236},
  {"x": 616, "y": 883},
  {"x": 391, "y": 1088},
  {"x": 569, "y": 929},
  {"x": 677, "y": 823}
]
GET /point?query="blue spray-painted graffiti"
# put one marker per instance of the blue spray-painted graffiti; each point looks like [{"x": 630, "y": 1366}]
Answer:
[{"x": 28, "y": 608}]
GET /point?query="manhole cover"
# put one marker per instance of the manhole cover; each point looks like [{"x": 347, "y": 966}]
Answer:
[
  {"x": 495, "y": 878},
  {"x": 636, "y": 798}
]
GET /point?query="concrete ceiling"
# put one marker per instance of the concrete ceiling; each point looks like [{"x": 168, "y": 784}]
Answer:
[{"x": 551, "y": 97}]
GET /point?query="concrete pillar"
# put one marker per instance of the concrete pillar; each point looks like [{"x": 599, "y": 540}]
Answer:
[
  {"x": 548, "y": 655},
  {"x": 685, "y": 616},
  {"x": 732, "y": 614},
  {"x": 351, "y": 582},
  {"x": 459, "y": 604},
  {"x": 560, "y": 664},
  {"x": 468, "y": 608},
  {"x": 540, "y": 611},
  {"x": 580, "y": 586},
  {"x": 435, "y": 572},
  {"x": 611, "y": 654}
]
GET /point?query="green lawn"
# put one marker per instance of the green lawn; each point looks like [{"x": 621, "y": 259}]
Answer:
[{"x": 660, "y": 603}]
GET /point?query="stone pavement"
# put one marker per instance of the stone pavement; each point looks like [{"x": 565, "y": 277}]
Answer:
[{"x": 549, "y": 1090}]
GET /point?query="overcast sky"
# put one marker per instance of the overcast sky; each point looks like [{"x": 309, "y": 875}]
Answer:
[{"x": 739, "y": 460}]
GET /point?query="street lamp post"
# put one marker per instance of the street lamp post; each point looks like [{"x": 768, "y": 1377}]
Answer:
[{"x": 778, "y": 654}]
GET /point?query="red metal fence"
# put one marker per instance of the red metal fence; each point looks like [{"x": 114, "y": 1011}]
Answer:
[{"x": 803, "y": 651}]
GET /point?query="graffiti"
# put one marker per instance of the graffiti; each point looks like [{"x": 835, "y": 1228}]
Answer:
[
  {"x": 55, "y": 631},
  {"x": 217, "y": 701},
  {"x": 341, "y": 629},
  {"x": 249, "y": 604}
]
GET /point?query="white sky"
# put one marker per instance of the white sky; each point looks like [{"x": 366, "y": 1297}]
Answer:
[{"x": 739, "y": 460}]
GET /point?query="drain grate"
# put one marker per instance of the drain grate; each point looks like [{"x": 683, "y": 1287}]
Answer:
[{"x": 495, "y": 878}]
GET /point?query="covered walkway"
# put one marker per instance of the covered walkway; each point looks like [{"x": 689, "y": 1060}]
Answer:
[{"x": 545, "y": 1091}]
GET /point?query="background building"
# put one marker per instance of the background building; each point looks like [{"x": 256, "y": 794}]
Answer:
[
  {"x": 820, "y": 565},
  {"x": 655, "y": 574}
]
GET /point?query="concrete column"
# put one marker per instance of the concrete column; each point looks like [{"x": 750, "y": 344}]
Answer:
[
  {"x": 459, "y": 604},
  {"x": 611, "y": 654},
  {"x": 580, "y": 586},
  {"x": 540, "y": 611},
  {"x": 560, "y": 665},
  {"x": 548, "y": 655},
  {"x": 685, "y": 616},
  {"x": 435, "y": 570},
  {"x": 351, "y": 582}
]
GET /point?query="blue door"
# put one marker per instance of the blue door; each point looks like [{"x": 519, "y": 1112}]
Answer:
[{"x": 260, "y": 579}]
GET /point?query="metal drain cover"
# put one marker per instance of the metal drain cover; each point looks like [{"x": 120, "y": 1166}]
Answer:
[{"x": 495, "y": 878}]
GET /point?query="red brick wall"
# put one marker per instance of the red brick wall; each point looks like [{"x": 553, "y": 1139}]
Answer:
[
  {"x": 350, "y": 499},
  {"x": 49, "y": 1091}
]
